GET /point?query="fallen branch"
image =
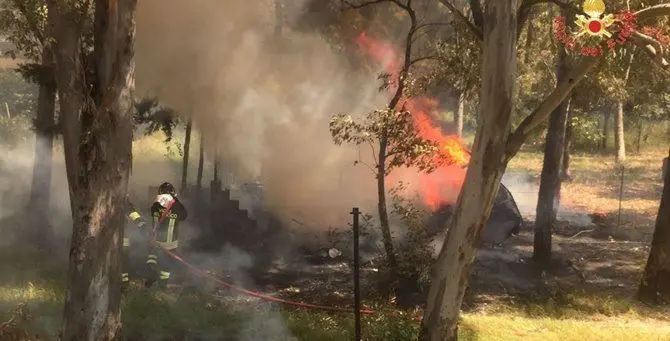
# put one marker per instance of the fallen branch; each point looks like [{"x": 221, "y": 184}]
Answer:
[{"x": 580, "y": 232}]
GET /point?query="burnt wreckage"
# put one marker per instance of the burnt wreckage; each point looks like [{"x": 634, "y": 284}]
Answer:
[
  {"x": 225, "y": 220},
  {"x": 234, "y": 216},
  {"x": 505, "y": 219}
]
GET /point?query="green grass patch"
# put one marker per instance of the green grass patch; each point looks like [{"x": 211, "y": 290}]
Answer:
[{"x": 151, "y": 315}]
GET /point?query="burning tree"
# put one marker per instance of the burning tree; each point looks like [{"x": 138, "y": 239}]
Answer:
[
  {"x": 395, "y": 136},
  {"x": 400, "y": 134}
]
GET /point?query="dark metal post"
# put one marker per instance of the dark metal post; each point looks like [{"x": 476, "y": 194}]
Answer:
[{"x": 357, "y": 278}]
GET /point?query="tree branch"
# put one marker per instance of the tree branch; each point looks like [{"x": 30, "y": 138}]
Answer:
[
  {"x": 652, "y": 12},
  {"x": 654, "y": 49},
  {"x": 473, "y": 28},
  {"x": 526, "y": 7},
  {"x": 364, "y": 4},
  {"x": 477, "y": 12},
  {"x": 562, "y": 4},
  {"x": 407, "y": 58},
  {"x": 374, "y": 152},
  {"x": 432, "y": 24},
  {"x": 533, "y": 121},
  {"x": 420, "y": 59}
]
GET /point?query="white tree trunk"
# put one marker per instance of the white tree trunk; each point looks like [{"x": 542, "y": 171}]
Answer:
[
  {"x": 458, "y": 117},
  {"x": 484, "y": 173},
  {"x": 619, "y": 136}
]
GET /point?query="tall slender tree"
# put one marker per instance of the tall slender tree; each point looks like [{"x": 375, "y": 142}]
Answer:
[
  {"x": 96, "y": 102},
  {"x": 25, "y": 24},
  {"x": 187, "y": 153},
  {"x": 655, "y": 285},
  {"x": 496, "y": 24},
  {"x": 549, "y": 194}
]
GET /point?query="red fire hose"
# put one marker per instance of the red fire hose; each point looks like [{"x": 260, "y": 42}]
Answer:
[{"x": 201, "y": 273}]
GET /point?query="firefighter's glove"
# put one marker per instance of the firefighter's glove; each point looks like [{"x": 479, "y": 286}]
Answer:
[{"x": 164, "y": 199}]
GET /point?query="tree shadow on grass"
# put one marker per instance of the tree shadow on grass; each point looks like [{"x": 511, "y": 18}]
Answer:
[{"x": 467, "y": 332}]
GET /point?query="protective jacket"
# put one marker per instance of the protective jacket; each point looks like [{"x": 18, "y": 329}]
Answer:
[
  {"x": 133, "y": 219},
  {"x": 167, "y": 230}
]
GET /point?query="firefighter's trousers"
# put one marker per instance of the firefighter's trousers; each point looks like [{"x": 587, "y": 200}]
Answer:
[
  {"x": 125, "y": 262},
  {"x": 161, "y": 266}
]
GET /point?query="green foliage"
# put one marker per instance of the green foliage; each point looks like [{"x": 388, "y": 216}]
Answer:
[
  {"x": 23, "y": 23},
  {"x": 157, "y": 118},
  {"x": 20, "y": 96},
  {"x": 587, "y": 131},
  {"x": 415, "y": 254},
  {"x": 458, "y": 62},
  {"x": 405, "y": 146},
  {"x": 17, "y": 105},
  {"x": 537, "y": 62},
  {"x": 13, "y": 130},
  {"x": 174, "y": 150}
]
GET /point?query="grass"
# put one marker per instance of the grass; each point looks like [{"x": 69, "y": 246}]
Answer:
[
  {"x": 597, "y": 181},
  {"x": 150, "y": 315},
  {"x": 511, "y": 327},
  {"x": 566, "y": 316}
]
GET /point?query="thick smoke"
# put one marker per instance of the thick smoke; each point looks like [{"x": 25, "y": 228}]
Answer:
[
  {"x": 16, "y": 165},
  {"x": 263, "y": 102}
]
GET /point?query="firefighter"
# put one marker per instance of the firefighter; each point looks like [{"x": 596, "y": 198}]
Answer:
[
  {"x": 134, "y": 218},
  {"x": 167, "y": 211}
]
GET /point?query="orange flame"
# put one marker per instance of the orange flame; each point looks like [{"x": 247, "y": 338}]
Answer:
[{"x": 444, "y": 184}]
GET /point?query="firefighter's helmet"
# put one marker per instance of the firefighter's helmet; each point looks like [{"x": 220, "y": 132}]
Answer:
[{"x": 167, "y": 188}]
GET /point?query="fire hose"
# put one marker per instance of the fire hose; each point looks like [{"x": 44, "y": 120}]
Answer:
[{"x": 201, "y": 273}]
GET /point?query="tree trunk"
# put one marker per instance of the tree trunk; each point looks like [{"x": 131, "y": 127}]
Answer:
[
  {"x": 565, "y": 165},
  {"x": 606, "y": 130},
  {"x": 655, "y": 285},
  {"x": 487, "y": 165},
  {"x": 187, "y": 152},
  {"x": 549, "y": 194},
  {"x": 382, "y": 156},
  {"x": 216, "y": 169},
  {"x": 44, "y": 135},
  {"x": 638, "y": 138},
  {"x": 279, "y": 19},
  {"x": 458, "y": 117},
  {"x": 619, "y": 138},
  {"x": 201, "y": 161},
  {"x": 96, "y": 112},
  {"x": 383, "y": 213}
]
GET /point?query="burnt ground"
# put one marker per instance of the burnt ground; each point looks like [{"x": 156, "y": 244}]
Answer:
[{"x": 586, "y": 259}]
